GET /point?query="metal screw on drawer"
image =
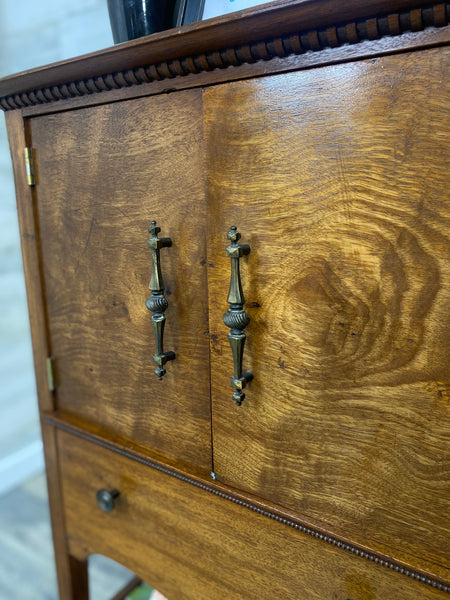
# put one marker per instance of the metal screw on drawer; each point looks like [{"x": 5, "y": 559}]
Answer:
[{"x": 106, "y": 499}]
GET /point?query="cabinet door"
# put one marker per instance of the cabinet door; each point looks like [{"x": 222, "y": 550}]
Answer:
[
  {"x": 338, "y": 179},
  {"x": 104, "y": 173}
]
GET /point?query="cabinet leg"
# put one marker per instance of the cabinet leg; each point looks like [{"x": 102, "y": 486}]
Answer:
[
  {"x": 72, "y": 571},
  {"x": 72, "y": 578}
]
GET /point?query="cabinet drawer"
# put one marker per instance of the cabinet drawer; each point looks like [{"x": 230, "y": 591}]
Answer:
[{"x": 193, "y": 544}]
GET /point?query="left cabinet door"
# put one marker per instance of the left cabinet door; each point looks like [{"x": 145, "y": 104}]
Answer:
[{"x": 104, "y": 174}]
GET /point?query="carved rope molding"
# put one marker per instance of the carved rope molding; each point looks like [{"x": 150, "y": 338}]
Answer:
[
  {"x": 379, "y": 559},
  {"x": 437, "y": 15}
]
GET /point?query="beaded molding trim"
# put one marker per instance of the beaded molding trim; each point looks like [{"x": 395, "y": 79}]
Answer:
[
  {"x": 437, "y": 15},
  {"x": 307, "y": 529}
]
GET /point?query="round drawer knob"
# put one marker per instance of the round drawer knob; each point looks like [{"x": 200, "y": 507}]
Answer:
[{"x": 106, "y": 499}]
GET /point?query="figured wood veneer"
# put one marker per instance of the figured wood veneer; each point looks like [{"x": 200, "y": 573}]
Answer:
[
  {"x": 337, "y": 176},
  {"x": 132, "y": 163},
  {"x": 338, "y": 179},
  {"x": 198, "y": 546}
]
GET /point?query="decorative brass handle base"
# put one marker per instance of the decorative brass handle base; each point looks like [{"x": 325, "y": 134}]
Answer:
[
  {"x": 236, "y": 318},
  {"x": 157, "y": 302}
]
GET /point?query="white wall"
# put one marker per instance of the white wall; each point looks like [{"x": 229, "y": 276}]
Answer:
[{"x": 32, "y": 33}]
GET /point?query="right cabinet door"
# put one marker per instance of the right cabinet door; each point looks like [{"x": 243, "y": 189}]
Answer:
[{"x": 338, "y": 180}]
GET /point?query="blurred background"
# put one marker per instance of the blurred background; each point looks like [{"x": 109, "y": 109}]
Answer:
[{"x": 32, "y": 34}]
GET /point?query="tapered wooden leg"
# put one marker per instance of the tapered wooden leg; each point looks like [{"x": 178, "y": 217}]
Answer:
[
  {"x": 74, "y": 586},
  {"x": 72, "y": 571}
]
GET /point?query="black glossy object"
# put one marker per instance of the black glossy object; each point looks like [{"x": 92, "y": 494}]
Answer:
[
  {"x": 135, "y": 18},
  {"x": 106, "y": 499}
]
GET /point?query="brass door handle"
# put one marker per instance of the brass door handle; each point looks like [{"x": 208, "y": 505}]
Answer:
[
  {"x": 157, "y": 302},
  {"x": 236, "y": 318}
]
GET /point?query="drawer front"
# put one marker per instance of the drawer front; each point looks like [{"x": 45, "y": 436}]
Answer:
[
  {"x": 194, "y": 545},
  {"x": 338, "y": 179},
  {"x": 104, "y": 173}
]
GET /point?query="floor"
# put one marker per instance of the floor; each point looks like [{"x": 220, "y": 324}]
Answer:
[{"x": 27, "y": 569}]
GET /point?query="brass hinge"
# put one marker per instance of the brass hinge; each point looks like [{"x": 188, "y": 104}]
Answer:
[
  {"x": 29, "y": 165},
  {"x": 50, "y": 364}
]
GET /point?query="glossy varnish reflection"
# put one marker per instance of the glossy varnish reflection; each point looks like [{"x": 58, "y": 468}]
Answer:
[
  {"x": 194, "y": 545},
  {"x": 105, "y": 173},
  {"x": 329, "y": 481},
  {"x": 338, "y": 180}
]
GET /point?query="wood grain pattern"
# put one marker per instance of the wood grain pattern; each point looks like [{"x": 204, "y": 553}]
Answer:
[
  {"x": 18, "y": 135},
  {"x": 262, "y": 507},
  {"x": 103, "y": 175},
  {"x": 72, "y": 574},
  {"x": 338, "y": 179},
  {"x": 297, "y": 43},
  {"x": 210, "y": 44},
  {"x": 300, "y": 41},
  {"x": 192, "y": 545},
  {"x": 411, "y": 40}
]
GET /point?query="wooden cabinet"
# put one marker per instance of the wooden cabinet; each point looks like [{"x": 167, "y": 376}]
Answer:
[{"x": 322, "y": 135}]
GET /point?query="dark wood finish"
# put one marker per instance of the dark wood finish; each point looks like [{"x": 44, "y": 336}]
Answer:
[
  {"x": 261, "y": 507},
  {"x": 218, "y": 43},
  {"x": 103, "y": 175},
  {"x": 72, "y": 573},
  {"x": 338, "y": 178},
  {"x": 191, "y": 545},
  {"x": 372, "y": 48},
  {"x": 79, "y": 579},
  {"x": 29, "y": 237}
]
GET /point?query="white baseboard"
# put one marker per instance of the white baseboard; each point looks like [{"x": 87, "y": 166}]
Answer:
[{"x": 20, "y": 466}]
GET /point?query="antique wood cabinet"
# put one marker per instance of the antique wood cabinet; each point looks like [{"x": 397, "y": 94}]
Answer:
[{"x": 319, "y": 130}]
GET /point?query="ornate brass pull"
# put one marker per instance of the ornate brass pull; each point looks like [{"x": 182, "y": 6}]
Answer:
[
  {"x": 236, "y": 318},
  {"x": 157, "y": 302}
]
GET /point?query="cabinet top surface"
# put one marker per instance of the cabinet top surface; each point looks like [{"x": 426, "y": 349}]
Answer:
[{"x": 259, "y": 33}]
